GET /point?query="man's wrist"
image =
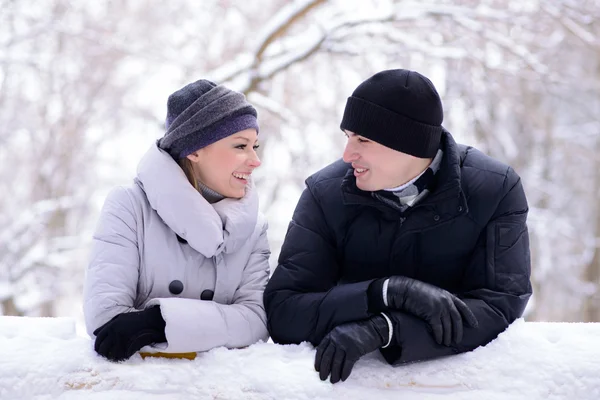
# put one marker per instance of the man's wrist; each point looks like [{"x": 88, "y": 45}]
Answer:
[
  {"x": 384, "y": 290},
  {"x": 390, "y": 330},
  {"x": 374, "y": 296}
]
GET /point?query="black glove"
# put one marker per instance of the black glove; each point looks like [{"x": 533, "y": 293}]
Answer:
[
  {"x": 345, "y": 344},
  {"x": 441, "y": 309},
  {"x": 126, "y": 333}
]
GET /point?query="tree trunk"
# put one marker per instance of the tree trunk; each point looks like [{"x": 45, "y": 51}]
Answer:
[
  {"x": 9, "y": 307},
  {"x": 591, "y": 309}
]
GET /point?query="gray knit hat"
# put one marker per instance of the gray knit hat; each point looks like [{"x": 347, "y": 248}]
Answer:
[{"x": 202, "y": 113}]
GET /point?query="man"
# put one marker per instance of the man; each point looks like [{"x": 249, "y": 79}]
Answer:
[{"x": 412, "y": 244}]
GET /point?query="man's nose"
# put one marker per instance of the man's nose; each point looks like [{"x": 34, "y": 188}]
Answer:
[{"x": 350, "y": 153}]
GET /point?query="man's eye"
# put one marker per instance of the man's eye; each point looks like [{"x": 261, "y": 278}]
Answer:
[{"x": 362, "y": 140}]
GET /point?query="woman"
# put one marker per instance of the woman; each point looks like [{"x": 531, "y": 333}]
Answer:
[{"x": 180, "y": 258}]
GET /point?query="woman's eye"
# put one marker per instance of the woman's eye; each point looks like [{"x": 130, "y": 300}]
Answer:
[
  {"x": 362, "y": 140},
  {"x": 256, "y": 146},
  {"x": 240, "y": 146}
]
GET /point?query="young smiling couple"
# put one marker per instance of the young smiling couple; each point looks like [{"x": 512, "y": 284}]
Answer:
[{"x": 411, "y": 244}]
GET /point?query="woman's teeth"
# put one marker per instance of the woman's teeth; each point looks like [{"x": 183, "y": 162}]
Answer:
[
  {"x": 360, "y": 170},
  {"x": 241, "y": 176}
]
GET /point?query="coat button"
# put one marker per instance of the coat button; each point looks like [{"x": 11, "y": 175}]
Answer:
[
  {"x": 460, "y": 208},
  {"x": 176, "y": 287},
  {"x": 436, "y": 218},
  {"x": 207, "y": 295}
]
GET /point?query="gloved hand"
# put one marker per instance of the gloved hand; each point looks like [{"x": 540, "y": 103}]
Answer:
[
  {"x": 345, "y": 344},
  {"x": 126, "y": 333},
  {"x": 441, "y": 309}
]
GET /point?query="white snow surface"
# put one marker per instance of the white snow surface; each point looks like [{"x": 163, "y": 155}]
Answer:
[{"x": 43, "y": 358}]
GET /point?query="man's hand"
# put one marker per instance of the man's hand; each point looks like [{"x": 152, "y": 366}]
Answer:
[
  {"x": 345, "y": 344},
  {"x": 441, "y": 309},
  {"x": 126, "y": 333}
]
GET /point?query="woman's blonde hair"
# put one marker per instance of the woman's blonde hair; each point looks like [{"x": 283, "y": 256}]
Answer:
[{"x": 186, "y": 166}]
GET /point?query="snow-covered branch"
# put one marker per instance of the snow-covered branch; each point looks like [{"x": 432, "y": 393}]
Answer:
[
  {"x": 575, "y": 28},
  {"x": 282, "y": 22},
  {"x": 504, "y": 42}
]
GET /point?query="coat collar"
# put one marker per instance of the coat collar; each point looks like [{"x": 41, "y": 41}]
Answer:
[
  {"x": 445, "y": 202},
  {"x": 211, "y": 229}
]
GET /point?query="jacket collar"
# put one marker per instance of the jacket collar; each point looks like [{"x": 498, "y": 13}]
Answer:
[
  {"x": 210, "y": 229},
  {"x": 446, "y": 200}
]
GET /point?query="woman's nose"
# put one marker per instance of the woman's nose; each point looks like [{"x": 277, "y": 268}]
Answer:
[{"x": 254, "y": 160}]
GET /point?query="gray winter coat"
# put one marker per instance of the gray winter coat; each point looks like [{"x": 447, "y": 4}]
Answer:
[{"x": 136, "y": 255}]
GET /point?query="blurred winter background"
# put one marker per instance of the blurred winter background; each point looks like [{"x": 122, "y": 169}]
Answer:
[{"x": 83, "y": 89}]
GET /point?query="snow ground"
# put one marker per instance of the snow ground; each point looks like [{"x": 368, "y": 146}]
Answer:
[{"x": 43, "y": 358}]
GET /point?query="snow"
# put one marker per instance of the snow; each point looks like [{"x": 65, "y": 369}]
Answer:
[{"x": 43, "y": 358}]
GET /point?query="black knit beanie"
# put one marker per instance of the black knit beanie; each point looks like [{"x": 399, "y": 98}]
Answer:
[{"x": 399, "y": 109}]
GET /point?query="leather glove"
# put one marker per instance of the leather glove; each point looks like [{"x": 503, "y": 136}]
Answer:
[
  {"x": 126, "y": 333},
  {"x": 443, "y": 311},
  {"x": 345, "y": 344}
]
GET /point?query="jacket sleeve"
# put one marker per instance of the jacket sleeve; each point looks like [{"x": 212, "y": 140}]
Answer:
[
  {"x": 303, "y": 300},
  {"x": 111, "y": 278},
  {"x": 496, "y": 285},
  {"x": 199, "y": 325}
]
